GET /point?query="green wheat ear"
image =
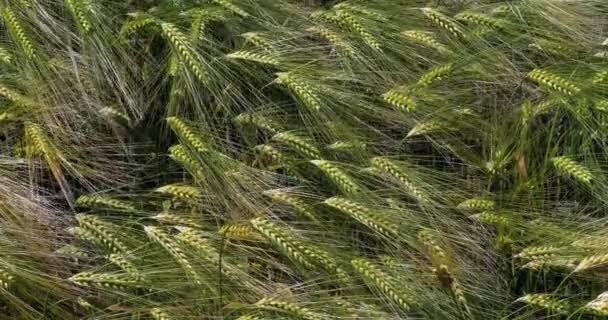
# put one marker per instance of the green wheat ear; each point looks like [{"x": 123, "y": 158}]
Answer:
[
  {"x": 240, "y": 231},
  {"x": 104, "y": 280},
  {"x": 599, "y": 305},
  {"x": 391, "y": 168},
  {"x": 19, "y": 33},
  {"x": 545, "y": 301},
  {"x": 299, "y": 144},
  {"x": 400, "y": 98},
  {"x": 258, "y": 40},
  {"x": 425, "y": 38},
  {"x": 477, "y": 204},
  {"x": 345, "y": 18},
  {"x": 288, "y": 308},
  {"x": 5, "y": 56},
  {"x": 79, "y": 8},
  {"x": 231, "y": 7},
  {"x": 181, "y": 154},
  {"x": 435, "y": 74},
  {"x": 568, "y": 167},
  {"x": 339, "y": 177},
  {"x": 334, "y": 38},
  {"x": 139, "y": 22},
  {"x": 480, "y": 19},
  {"x": 428, "y": 127},
  {"x": 101, "y": 232},
  {"x": 301, "y": 88},
  {"x": 6, "y": 279},
  {"x": 368, "y": 217},
  {"x": 259, "y": 121},
  {"x": 376, "y": 278},
  {"x": 554, "y": 82},
  {"x": 601, "y": 77},
  {"x": 183, "y": 49},
  {"x": 160, "y": 314},
  {"x": 299, "y": 205},
  {"x": 309, "y": 256},
  {"x": 181, "y": 191},
  {"x": 253, "y": 56},
  {"x": 104, "y": 202},
  {"x": 159, "y": 236},
  {"x": 442, "y": 21},
  {"x": 187, "y": 134}
]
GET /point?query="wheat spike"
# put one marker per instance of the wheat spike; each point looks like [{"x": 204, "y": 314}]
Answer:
[
  {"x": 300, "y": 144},
  {"x": 102, "y": 232},
  {"x": 427, "y": 127},
  {"x": 19, "y": 33},
  {"x": 187, "y": 134},
  {"x": 6, "y": 279},
  {"x": 435, "y": 74},
  {"x": 258, "y": 40},
  {"x": 181, "y": 191},
  {"x": 346, "y": 19},
  {"x": 281, "y": 240},
  {"x": 534, "y": 253},
  {"x": 177, "y": 220},
  {"x": 166, "y": 241},
  {"x": 104, "y": 202},
  {"x": 369, "y": 218},
  {"x": 442, "y": 21},
  {"x": 592, "y": 262},
  {"x": 160, "y": 314},
  {"x": 104, "y": 280},
  {"x": 307, "y": 255},
  {"x": 123, "y": 263},
  {"x": 231, "y": 7},
  {"x": 554, "y": 82},
  {"x": 399, "y": 99},
  {"x": 288, "y": 308},
  {"x": 12, "y": 96},
  {"x": 303, "y": 90},
  {"x": 551, "y": 263},
  {"x": 5, "y": 56},
  {"x": 571, "y": 168},
  {"x": 480, "y": 19},
  {"x": 137, "y": 23},
  {"x": 196, "y": 239},
  {"x": 240, "y": 231},
  {"x": 202, "y": 19},
  {"x": 333, "y": 38},
  {"x": 494, "y": 218},
  {"x": 545, "y": 301},
  {"x": 599, "y": 305},
  {"x": 250, "y": 317},
  {"x": 601, "y": 77},
  {"x": 375, "y": 277},
  {"x": 180, "y": 154},
  {"x": 338, "y": 176},
  {"x": 298, "y": 204},
  {"x": 253, "y": 56},
  {"x": 477, "y": 204},
  {"x": 112, "y": 112},
  {"x": 425, "y": 38},
  {"x": 277, "y": 157},
  {"x": 71, "y": 251},
  {"x": 389, "y": 167},
  {"x": 259, "y": 121},
  {"x": 183, "y": 48},
  {"x": 79, "y": 9}
]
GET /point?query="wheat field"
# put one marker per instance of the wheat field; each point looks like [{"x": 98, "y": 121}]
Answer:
[{"x": 292, "y": 159}]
